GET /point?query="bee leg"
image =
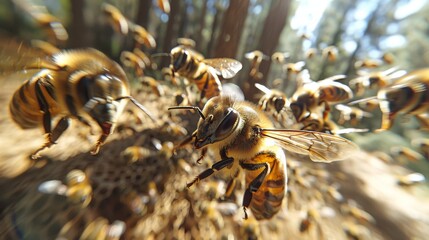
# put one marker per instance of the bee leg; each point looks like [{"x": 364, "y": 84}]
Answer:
[
  {"x": 44, "y": 108},
  {"x": 52, "y": 137},
  {"x": 203, "y": 154},
  {"x": 60, "y": 128},
  {"x": 100, "y": 142},
  {"x": 225, "y": 162},
  {"x": 255, "y": 184},
  {"x": 231, "y": 186}
]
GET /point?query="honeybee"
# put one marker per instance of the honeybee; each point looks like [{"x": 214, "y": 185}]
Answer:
[
  {"x": 408, "y": 95},
  {"x": 46, "y": 47},
  {"x": 388, "y": 58},
  {"x": 359, "y": 214},
  {"x": 272, "y": 99},
  {"x": 411, "y": 179},
  {"x": 423, "y": 146},
  {"x": 373, "y": 80},
  {"x": 311, "y": 95},
  {"x": 142, "y": 36},
  {"x": 330, "y": 53},
  {"x": 81, "y": 84},
  {"x": 294, "y": 67},
  {"x": 355, "y": 231},
  {"x": 351, "y": 114},
  {"x": 131, "y": 60},
  {"x": 101, "y": 229},
  {"x": 77, "y": 188},
  {"x": 164, "y": 5},
  {"x": 187, "y": 42},
  {"x": 134, "y": 153},
  {"x": 255, "y": 58},
  {"x": 368, "y": 63},
  {"x": 204, "y": 72},
  {"x": 154, "y": 85},
  {"x": 243, "y": 137},
  {"x": 310, "y": 53},
  {"x": 279, "y": 57},
  {"x": 406, "y": 153},
  {"x": 144, "y": 57},
  {"x": 312, "y": 218},
  {"x": 52, "y": 25},
  {"x": 116, "y": 19}
]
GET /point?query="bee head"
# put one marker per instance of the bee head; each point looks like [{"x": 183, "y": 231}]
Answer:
[
  {"x": 179, "y": 55},
  {"x": 100, "y": 94},
  {"x": 220, "y": 122}
]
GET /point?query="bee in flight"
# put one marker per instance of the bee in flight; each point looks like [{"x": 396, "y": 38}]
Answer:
[
  {"x": 77, "y": 187},
  {"x": 190, "y": 64},
  {"x": 82, "y": 84},
  {"x": 243, "y": 137},
  {"x": 407, "y": 95},
  {"x": 311, "y": 100}
]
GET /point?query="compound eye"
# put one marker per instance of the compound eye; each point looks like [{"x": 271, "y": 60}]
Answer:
[
  {"x": 180, "y": 60},
  {"x": 297, "y": 110},
  {"x": 279, "y": 104},
  {"x": 227, "y": 125}
]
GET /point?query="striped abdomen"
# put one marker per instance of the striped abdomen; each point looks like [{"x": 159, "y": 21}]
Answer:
[
  {"x": 267, "y": 201},
  {"x": 203, "y": 75},
  {"x": 207, "y": 80},
  {"x": 25, "y": 106},
  {"x": 335, "y": 92}
]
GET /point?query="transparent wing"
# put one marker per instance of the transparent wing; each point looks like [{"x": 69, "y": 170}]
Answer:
[
  {"x": 226, "y": 67},
  {"x": 263, "y": 88},
  {"x": 321, "y": 147}
]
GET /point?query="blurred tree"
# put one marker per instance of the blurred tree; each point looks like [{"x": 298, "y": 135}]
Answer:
[
  {"x": 202, "y": 23},
  {"x": 268, "y": 41},
  {"x": 232, "y": 28},
  {"x": 218, "y": 14},
  {"x": 336, "y": 39},
  {"x": 172, "y": 29},
  {"x": 143, "y": 12},
  {"x": 79, "y": 35}
]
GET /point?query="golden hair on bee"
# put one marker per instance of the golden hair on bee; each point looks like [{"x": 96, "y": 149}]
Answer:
[
  {"x": 83, "y": 84},
  {"x": 243, "y": 137}
]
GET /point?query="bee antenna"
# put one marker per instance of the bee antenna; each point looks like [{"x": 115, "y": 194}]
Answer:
[
  {"x": 190, "y": 107},
  {"x": 160, "y": 55},
  {"x": 133, "y": 100}
]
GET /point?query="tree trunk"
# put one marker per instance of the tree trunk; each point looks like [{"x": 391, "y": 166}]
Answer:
[
  {"x": 142, "y": 17},
  {"x": 232, "y": 27},
  {"x": 273, "y": 26},
  {"x": 172, "y": 29},
  {"x": 79, "y": 35},
  {"x": 199, "y": 33},
  {"x": 336, "y": 38}
]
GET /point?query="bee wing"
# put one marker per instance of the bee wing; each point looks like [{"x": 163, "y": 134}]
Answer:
[
  {"x": 226, "y": 67},
  {"x": 52, "y": 187},
  {"x": 321, "y": 147},
  {"x": 263, "y": 88}
]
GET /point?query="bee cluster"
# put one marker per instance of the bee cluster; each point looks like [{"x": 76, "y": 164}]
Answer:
[{"x": 143, "y": 178}]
